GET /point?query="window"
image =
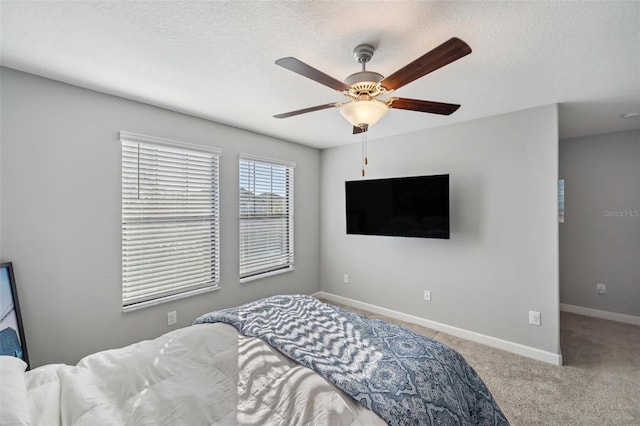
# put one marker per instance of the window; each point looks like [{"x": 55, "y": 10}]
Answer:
[
  {"x": 266, "y": 217},
  {"x": 170, "y": 220}
]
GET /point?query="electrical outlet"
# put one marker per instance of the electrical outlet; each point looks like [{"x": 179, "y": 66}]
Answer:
[
  {"x": 427, "y": 295},
  {"x": 534, "y": 317},
  {"x": 601, "y": 288},
  {"x": 345, "y": 278},
  {"x": 172, "y": 318}
]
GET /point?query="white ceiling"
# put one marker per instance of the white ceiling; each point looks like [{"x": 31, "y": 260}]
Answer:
[{"x": 216, "y": 59}]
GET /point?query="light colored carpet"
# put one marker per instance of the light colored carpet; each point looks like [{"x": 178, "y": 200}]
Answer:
[{"x": 599, "y": 383}]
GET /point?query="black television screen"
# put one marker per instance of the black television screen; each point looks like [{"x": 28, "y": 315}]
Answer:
[{"x": 403, "y": 207}]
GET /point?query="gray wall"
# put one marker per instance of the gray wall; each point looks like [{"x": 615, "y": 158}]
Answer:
[
  {"x": 502, "y": 258},
  {"x": 60, "y": 209},
  {"x": 600, "y": 239}
]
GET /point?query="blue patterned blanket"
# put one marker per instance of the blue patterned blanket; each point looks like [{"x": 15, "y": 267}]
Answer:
[{"x": 404, "y": 377}]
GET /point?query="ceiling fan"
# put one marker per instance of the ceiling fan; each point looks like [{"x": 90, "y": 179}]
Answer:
[{"x": 363, "y": 89}]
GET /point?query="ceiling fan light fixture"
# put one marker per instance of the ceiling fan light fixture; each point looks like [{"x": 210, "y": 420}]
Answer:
[{"x": 365, "y": 112}]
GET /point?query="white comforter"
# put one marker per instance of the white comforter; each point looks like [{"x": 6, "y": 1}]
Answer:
[{"x": 199, "y": 375}]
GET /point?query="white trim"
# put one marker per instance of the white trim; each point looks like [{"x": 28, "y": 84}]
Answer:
[
  {"x": 136, "y": 138},
  {"x": 266, "y": 160},
  {"x": 590, "y": 312},
  {"x": 516, "y": 348},
  {"x": 153, "y": 302},
  {"x": 267, "y": 274}
]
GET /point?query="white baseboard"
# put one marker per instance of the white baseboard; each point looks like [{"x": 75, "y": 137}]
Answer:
[
  {"x": 517, "y": 348},
  {"x": 590, "y": 312}
]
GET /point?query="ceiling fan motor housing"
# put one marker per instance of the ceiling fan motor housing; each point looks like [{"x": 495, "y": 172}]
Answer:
[
  {"x": 364, "y": 82},
  {"x": 364, "y": 76}
]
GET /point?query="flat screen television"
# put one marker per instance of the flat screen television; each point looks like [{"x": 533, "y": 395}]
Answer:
[{"x": 415, "y": 206}]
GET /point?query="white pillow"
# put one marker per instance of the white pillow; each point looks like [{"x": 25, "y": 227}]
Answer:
[{"x": 14, "y": 409}]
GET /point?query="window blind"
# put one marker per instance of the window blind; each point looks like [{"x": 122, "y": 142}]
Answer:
[
  {"x": 170, "y": 219},
  {"x": 266, "y": 216}
]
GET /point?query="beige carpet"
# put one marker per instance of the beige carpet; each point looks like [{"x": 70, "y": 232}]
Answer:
[{"x": 599, "y": 383}]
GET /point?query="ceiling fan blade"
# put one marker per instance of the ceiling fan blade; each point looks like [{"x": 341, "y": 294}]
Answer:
[
  {"x": 357, "y": 129},
  {"x": 299, "y": 67},
  {"x": 306, "y": 110},
  {"x": 442, "y": 55},
  {"x": 423, "y": 106}
]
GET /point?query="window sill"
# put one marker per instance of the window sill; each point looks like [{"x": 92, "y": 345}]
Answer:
[
  {"x": 166, "y": 299},
  {"x": 267, "y": 274}
]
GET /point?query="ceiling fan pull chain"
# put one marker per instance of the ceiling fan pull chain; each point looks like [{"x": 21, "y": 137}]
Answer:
[
  {"x": 364, "y": 156},
  {"x": 366, "y": 146}
]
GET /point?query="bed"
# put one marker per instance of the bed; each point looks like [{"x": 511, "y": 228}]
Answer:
[{"x": 284, "y": 360}]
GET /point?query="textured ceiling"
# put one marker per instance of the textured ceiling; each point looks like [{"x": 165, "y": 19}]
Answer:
[{"x": 216, "y": 59}]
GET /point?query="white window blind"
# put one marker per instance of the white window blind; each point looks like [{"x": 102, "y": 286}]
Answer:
[
  {"x": 170, "y": 220},
  {"x": 266, "y": 216}
]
